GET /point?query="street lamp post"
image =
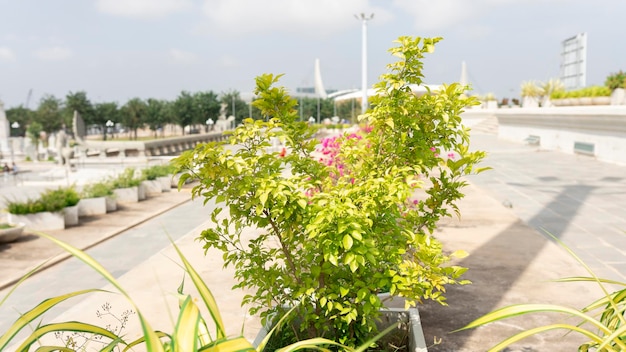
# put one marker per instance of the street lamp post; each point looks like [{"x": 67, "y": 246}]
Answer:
[
  {"x": 364, "y": 18},
  {"x": 109, "y": 124},
  {"x": 209, "y": 124}
]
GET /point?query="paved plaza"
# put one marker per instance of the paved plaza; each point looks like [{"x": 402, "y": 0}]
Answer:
[{"x": 505, "y": 216}]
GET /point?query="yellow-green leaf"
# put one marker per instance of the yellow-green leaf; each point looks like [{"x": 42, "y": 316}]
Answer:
[{"x": 347, "y": 242}]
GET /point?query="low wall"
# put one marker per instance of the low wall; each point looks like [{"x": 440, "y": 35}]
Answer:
[
  {"x": 157, "y": 147},
  {"x": 598, "y": 131}
]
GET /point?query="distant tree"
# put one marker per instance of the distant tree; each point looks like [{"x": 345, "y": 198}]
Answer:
[
  {"x": 156, "y": 114},
  {"x": 184, "y": 110},
  {"x": 349, "y": 110},
  {"x": 133, "y": 115},
  {"x": 49, "y": 114},
  {"x": 208, "y": 107},
  {"x": 104, "y": 112},
  {"x": 33, "y": 131},
  {"x": 241, "y": 108},
  {"x": 309, "y": 107},
  {"x": 22, "y": 116},
  {"x": 77, "y": 102}
]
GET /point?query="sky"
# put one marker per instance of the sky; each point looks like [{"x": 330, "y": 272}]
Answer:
[{"x": 116, "y": 50}]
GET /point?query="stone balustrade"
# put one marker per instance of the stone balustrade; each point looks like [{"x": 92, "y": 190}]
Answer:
[{"x": 144, "y": 149}]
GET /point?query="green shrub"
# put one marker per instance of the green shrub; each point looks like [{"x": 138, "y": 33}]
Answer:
[
  {"x": 152, "y": 172},
  {"x": 98, "y": 189},
  {"x": 336, "y": 232},
  {"x": 616, "y": 80},
  {"x": 52, "y": 200},
  {"x": 126, "y": 179}
]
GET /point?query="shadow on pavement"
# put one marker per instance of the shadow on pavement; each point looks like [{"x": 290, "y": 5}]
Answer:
[{"x": 498, "y": 269}]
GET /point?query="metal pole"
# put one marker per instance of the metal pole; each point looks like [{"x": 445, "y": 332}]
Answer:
[{"x": 364, "y": 20}]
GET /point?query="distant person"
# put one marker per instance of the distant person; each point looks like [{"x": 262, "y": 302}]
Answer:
[{"x": 6, "y": 170}]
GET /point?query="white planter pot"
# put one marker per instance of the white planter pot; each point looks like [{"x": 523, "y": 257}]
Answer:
[
  {"x": 408, "y": 321},
  {"x": 71, "y": 215},
  {"x": 530, "y": 102},
  {"x": 92, "y": 206},
  {"x": 152, "y": 187},
  {"x": 11, "y": 234},
  {"x": 111, "y": 203},
  {"x": 618, "y": 97},
  {"x": 141, "y": 191},
  {"x": 43, "y": 221},
  {"x": 166, "y": 183},
  {"x": 126, "y": 195},
  {"x": 601, "y": 101}
]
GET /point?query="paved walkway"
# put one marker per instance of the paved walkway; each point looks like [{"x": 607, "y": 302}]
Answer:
[{"x": 576, "y": 198}]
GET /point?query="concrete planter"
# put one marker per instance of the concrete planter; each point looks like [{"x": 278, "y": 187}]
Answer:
[
  {"x": 44, "y": 221},
  {"x": 92, "y": 206},
  {"x": 601, "y": 101},
  {"x": 111, "y": 204},
  {"x": 152, "y": 187},
  {"x": 11, "y": 234},
  {"x": 166, "y": 183},
  {"x": 126, "y": 195},
  {"x": 409, "y": 324},
  {"x": 71, "y": 215},
  {"x": 141, "y": 191}
]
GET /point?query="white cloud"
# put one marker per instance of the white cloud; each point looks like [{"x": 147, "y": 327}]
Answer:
[
  {"x": 227, "y": 61},
  {"x": 441, "y": 14},
  {"x": 149, "y": 9},
  {"x": 55, "y": 53},
  {"x": 296, "y": 16},
  {"x": 432, "y": 15},
  {"x": 183, "y": 56},
  {"x": 6, "y": 54}
]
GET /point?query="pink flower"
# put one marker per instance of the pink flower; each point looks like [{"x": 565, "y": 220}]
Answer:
[{"x": 451, "y": 155}]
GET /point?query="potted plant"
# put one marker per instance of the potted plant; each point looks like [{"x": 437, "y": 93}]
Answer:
[
  {"x": 126, "y": 187},
  {"x": 344, "y": 220},
  {"x": 161, "y": 173},
  {"x": 97, "y": 198},
  {"x": 530, "y": 94},
  {"x": 68, "y": 197},
  {"x": 548, "y": 89},
  {"x": 10, "y": 232},
  {"x": 157, "y": 179},
  {"x": 53, "y": 210},
  {"x": 616, "y": 82}
]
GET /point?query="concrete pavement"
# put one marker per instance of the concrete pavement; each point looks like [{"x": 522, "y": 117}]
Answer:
[{"x": 510, "y": 261}]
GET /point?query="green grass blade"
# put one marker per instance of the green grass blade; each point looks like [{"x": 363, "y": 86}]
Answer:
[
  {"x": 34, "y": 313},
  {"x": 22, "y": 279},
  {"x": 66, "y": 326},
  {"x": 185, "y": 335},
  {"x": 238, "y": 344},
  {"x": 527, "y": 333},
  {"x": 54, "y": 348},
  {"x": 522, "y": 309},
  {"x": 276, "y": 327},
  {"x": 615, "y": 339},
  {"x": 142, "y": 339},
  {"x": 380, "y": 335},
  {"x": 205, "y": 294},
  {"x": 153, "y": 344},
  {"x": 315, "y": 343},
  {"x": 592, "y": 279}
]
